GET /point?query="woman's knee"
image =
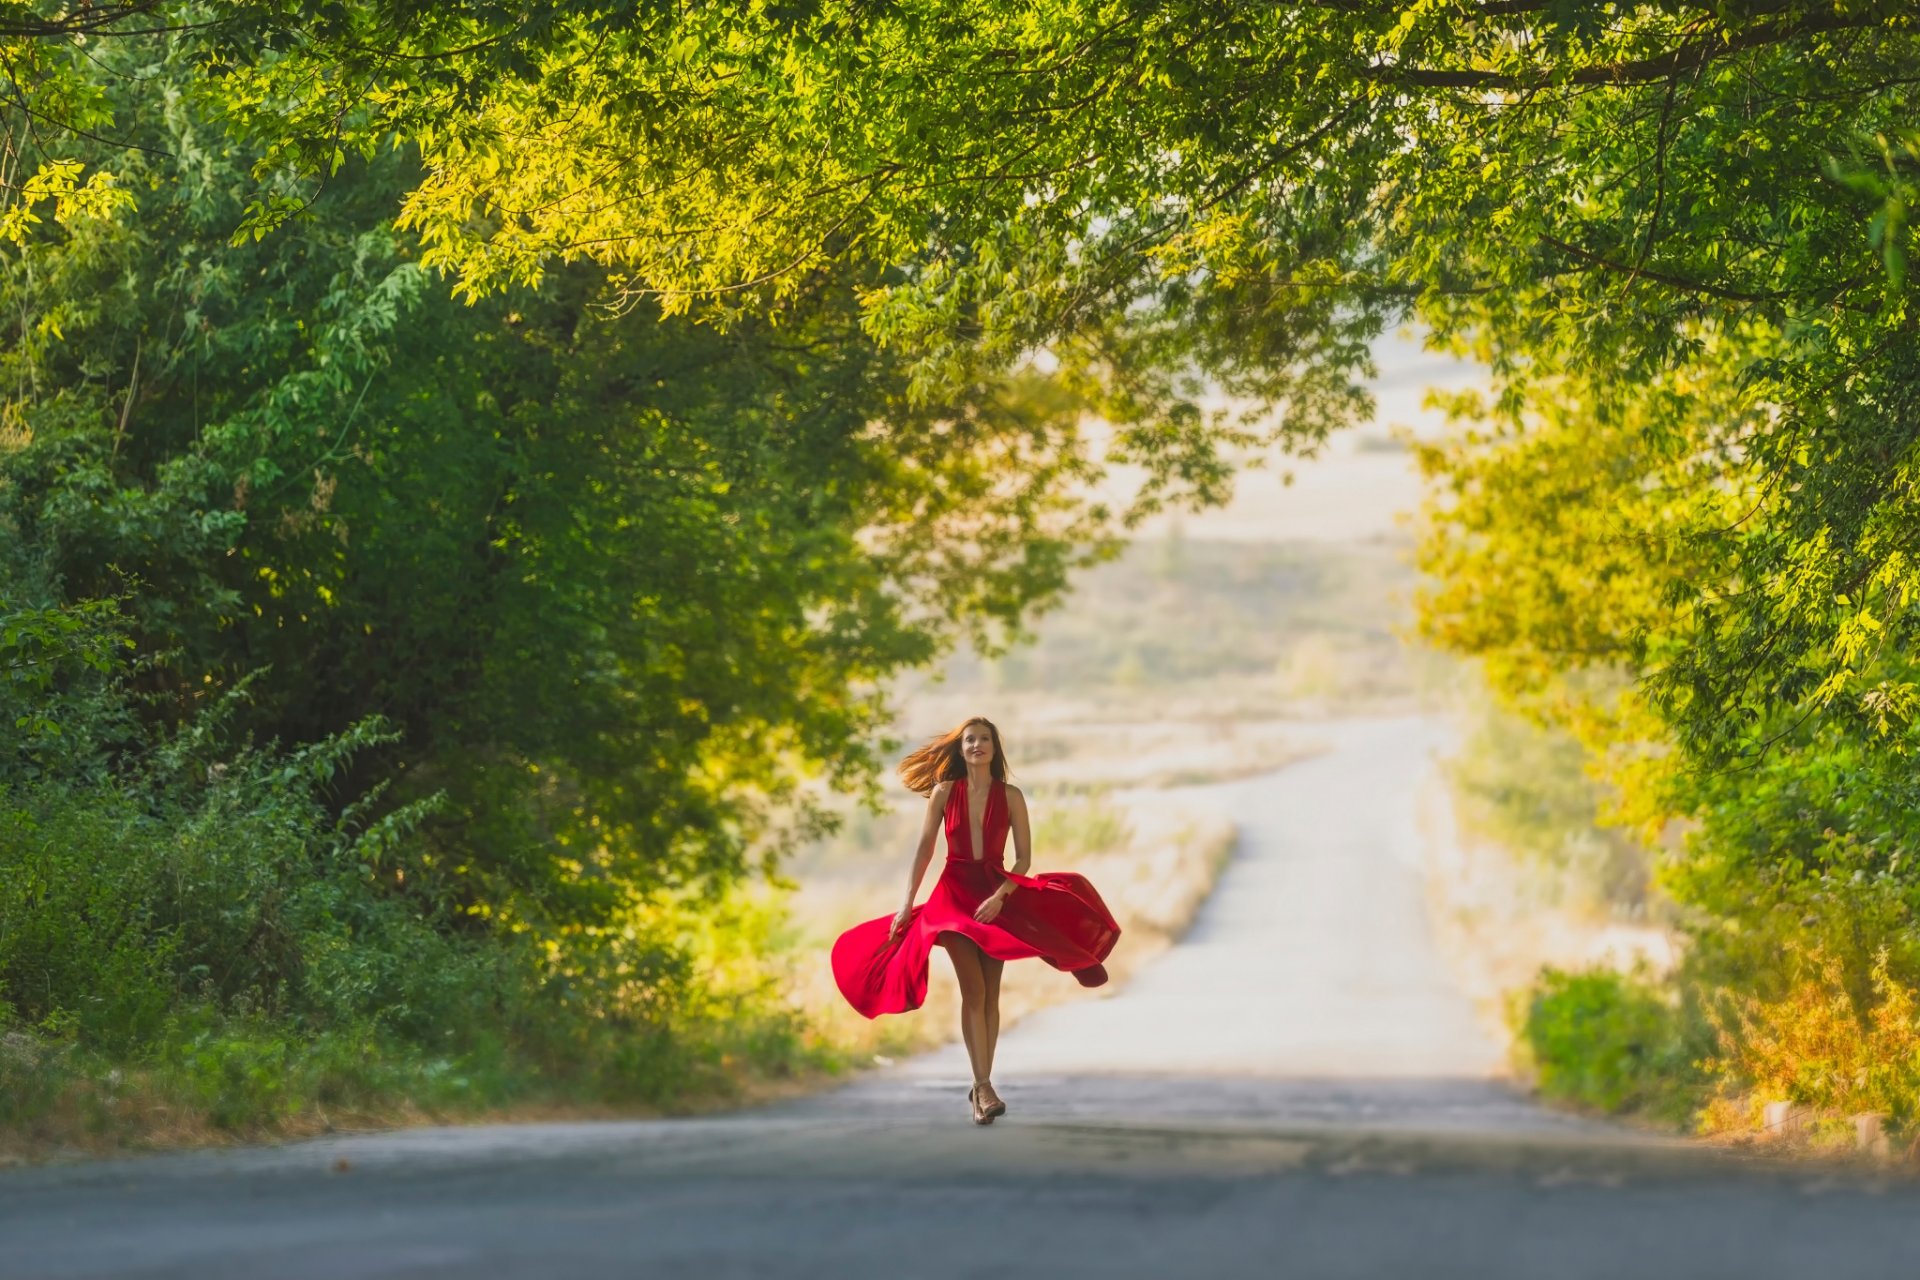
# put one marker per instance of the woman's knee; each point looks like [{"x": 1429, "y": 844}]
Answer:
[
  {"x": 990, "y": 970},
  {"x": 966, "y": 967}
]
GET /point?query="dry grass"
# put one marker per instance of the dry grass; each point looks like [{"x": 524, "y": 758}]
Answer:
[
  {"x": 92, "y": 1113},
  {"x": 144, "y": 1118},
  {"x": 1813, "y": 1050}
]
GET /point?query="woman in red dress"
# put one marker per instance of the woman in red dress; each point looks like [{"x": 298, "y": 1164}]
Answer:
[{"x": 983, "y": 914}]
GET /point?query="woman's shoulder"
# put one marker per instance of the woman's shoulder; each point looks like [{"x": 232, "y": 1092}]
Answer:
[
  {"x": 941, "y": 789},
  {"x": 1013, "y": 792}
]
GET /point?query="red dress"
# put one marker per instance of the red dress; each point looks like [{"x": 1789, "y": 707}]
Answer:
[{"x": 1056, "y": 916}]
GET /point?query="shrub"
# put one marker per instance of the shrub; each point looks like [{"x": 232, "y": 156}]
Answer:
[
  {"x": 1817, "y": 1047},
  {"x": 1614, "y": 1042},
  {"x": 120, "y": 901},
  {"x": 82, "y": 949}
]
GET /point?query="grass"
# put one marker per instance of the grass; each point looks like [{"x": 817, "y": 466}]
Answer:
[
  {"x": 216, "y": 1088},
  {"x": 228, "y": 1084}
]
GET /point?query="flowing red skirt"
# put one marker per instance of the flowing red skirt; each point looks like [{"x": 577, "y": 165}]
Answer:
[{"x": 1055, "y": 916}]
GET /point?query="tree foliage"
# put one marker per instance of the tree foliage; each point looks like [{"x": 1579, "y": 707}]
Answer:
[
  {"x": 662, "y": 564},
  {"x": 1615, "y": 193}
]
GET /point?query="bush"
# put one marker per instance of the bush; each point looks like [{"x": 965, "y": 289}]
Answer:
[
  {"x": 1816, "y": 1047},
  {"x": 121, "y": 900},
  {"x": 1617, "y": 1043},
  {"x": 82, "y": 949},
  {"x": 194, "y": 942}
]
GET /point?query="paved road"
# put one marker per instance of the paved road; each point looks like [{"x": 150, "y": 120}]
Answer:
[{"x": 1295, "y": 1090}]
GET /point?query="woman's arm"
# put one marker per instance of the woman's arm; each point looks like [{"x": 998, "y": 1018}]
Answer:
[
  {"x": 1022, "y": 848},
  {"x": 923, "y": 852},
  {"x": 1022, "y": 836}
]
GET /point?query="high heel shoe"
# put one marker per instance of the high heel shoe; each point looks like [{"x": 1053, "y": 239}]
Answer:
[
  {"x": 980, "y": 1113},
  {"x": 992, "y": 1105}
]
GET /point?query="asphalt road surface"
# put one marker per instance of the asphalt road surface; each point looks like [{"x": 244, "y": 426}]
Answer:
[{"x": 1294, "y": 1090}]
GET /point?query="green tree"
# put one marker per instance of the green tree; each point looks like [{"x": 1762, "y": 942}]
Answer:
[{"x": 1611, "y": 192}]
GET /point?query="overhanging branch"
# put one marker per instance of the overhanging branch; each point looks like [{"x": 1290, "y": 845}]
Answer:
[{"x": 1630, "y": 71}]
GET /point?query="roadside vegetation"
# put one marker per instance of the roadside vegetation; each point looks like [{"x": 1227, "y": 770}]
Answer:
[
  {"x": 1553, "y": 921},
  {"x": 1586, "y": 936}
]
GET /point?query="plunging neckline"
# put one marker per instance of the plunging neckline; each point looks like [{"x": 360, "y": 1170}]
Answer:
[{"x": 976, "y": 848}]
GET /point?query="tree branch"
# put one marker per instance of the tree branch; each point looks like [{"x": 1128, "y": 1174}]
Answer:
[
  {"x": 1632, "y": 71},
  {"x": 1661, "y": 277}
]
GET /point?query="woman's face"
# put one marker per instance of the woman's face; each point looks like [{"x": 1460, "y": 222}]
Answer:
[{"x": 976, "y": 745}]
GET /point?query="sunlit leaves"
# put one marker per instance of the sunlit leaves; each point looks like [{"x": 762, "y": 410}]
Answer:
[{"x": 59, "y": 183}]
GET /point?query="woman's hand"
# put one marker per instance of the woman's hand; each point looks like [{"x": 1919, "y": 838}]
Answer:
[
  {"x": 900, "y": 920},
  {"x": 987, "y": 910}
]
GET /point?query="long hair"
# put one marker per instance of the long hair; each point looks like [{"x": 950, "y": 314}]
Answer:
[{"x": 940, "y": 760}]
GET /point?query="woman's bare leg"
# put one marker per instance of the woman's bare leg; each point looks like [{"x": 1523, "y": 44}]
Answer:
[
  {"x": 966, "y": 959},
  {"x": 990, "y": 970}
]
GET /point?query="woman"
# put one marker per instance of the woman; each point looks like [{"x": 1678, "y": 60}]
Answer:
[{"x": 983, "y": 914}]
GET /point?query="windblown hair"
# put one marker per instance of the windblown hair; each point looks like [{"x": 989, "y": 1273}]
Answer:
[{"x": 940, "y": 760}]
